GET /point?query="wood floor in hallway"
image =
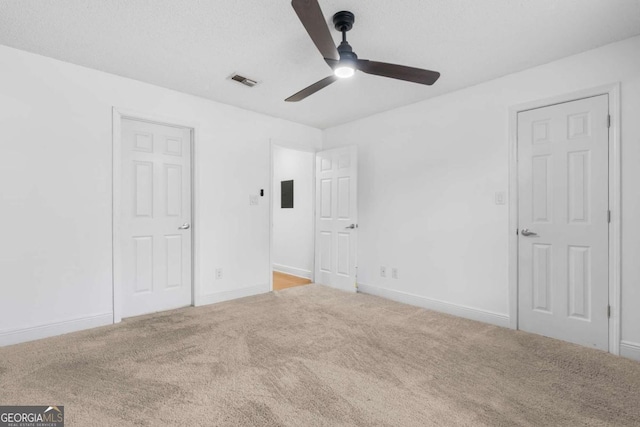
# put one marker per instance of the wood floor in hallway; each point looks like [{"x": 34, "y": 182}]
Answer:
[{"x": 284, "y": 281}]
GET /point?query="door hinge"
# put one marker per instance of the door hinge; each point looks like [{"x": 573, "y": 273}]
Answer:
[
  {"x": 608, "y": 311},
  {"x": 609, "y": 216},
  {"x": 609, "y": 120}
]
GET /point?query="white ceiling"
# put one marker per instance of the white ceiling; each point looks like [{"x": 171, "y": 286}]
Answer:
[{"x": 193, "y": 46}]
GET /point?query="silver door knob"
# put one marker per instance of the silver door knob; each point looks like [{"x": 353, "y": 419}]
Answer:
[
  {"x": 352, "y": 226},
  {"x": 526, "y": 232},
  {"x": 184, "y": 226}
]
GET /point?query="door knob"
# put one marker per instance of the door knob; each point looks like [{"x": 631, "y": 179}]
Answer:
[
  {"x": 184, "y": 226},
  {"x": 352, "y": 226},
  {"x": 526, "y": 232}
]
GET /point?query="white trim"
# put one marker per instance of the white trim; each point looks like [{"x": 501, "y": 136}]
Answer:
[
  {"x": 293, "y": 271},
  {"x": 472, "y": 313},
  {"x": 615, "y": 229},
  {"x": 292, "y": 145},
  {"x": 118, "y": 115},
  {"x": 271, "y": 202},
  {"x": 195, "y": 215},
  {"x": 630, "y": 350},
  {"x": 233, "y": 294},
  {"x": 53, "y": 329},
  {"x": 350, "y": 288},
  {"x": 513, "y": 219},
  {"x": 116, "y": 185},
  {"x": 297, "y": 147},
  {"x": 615, "y": 237}
]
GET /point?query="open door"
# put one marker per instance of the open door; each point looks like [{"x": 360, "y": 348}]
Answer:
[
  {"x": 336, "y": 218},
  {"x": 155, "y": 217}
]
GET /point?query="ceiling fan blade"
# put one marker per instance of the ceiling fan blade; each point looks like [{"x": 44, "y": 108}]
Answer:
[
  {"x": 310, "y": 90},
  {"x": 401, "y": 72},
  {"x": 333, "y": 63},
  {"x": 313, "y": 21}
]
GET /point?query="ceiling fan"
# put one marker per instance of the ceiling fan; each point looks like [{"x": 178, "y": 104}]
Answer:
[{"x": 343, "y": 59}]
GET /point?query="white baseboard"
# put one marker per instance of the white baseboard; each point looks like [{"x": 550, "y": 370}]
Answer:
[
  {"x": 436, "y": 305},
  {"x": 53, "y": 329},
  {"x": 630, "y": 350},
  {"x": 351, "y": 289},
  {"x": 294, "y": 271},
  {"x": 233, "y": 294}
]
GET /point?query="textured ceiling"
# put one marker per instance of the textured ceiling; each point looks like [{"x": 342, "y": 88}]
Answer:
[{"x": 194, "y": 46}]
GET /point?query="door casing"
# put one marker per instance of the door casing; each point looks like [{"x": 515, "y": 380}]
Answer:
[
  {"x": 613, "y": 90},
  {"x": 118, "y": 115}
]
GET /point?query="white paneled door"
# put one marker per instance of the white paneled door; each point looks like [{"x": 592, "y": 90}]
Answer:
[
  {"x": 563, "y": 278},
  {"x": 155, "y": 217},
  {"x": 336, "y": 218}
]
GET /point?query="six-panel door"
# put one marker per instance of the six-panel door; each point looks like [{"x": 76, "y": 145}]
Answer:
[
  {"x": 155, "y": 217},
  {"x": 563, "y": 221},
  {"x": 336, "y": 218}
]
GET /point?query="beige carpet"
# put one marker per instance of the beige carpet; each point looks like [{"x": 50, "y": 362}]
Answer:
[{"x": 312, "y": 356}]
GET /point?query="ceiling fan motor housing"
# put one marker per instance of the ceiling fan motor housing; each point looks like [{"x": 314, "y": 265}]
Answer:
[
  {"x": 346, "y": 52},
  {"x": 343, "y": 21}
]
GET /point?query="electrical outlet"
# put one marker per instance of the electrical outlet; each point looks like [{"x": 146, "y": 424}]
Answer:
[
  {"x": 383, "y": 271},
  {"x": 218, "y": 273},
  {"x": 394, "y": 273},
  {"x": 254, "y": 200}
]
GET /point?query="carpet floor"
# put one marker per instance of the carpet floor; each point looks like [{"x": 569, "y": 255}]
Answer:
[{"x": 315, "y": 356}]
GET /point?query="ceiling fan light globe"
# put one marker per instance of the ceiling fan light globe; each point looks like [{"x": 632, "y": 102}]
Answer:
[{"x": 344, "y": 71}]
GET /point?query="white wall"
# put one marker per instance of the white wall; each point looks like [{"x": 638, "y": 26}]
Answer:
[
  {"x": 293, "y": 228},
  {"x": 429, "y": 171},
  {"x": 55, "y": 190}
]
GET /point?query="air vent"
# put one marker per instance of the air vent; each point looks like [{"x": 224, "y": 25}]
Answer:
[{"x": 245, "y": 81}]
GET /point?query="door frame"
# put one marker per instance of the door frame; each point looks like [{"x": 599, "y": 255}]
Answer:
[
  {"x": 613, "y": 90},
  {"x": 297, "y": 147},
  {"x": 118, "y": 114}
]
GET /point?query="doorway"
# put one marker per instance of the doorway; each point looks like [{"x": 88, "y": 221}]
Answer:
[
  {"x": 292, "y": 250},
  {"x": 322, "y": 235},
  {"x": 152, "y": 217},
  {"x": 564, "y": 250}
]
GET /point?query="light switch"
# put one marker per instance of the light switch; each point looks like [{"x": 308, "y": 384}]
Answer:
[{"x": 501, "y": 198}]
